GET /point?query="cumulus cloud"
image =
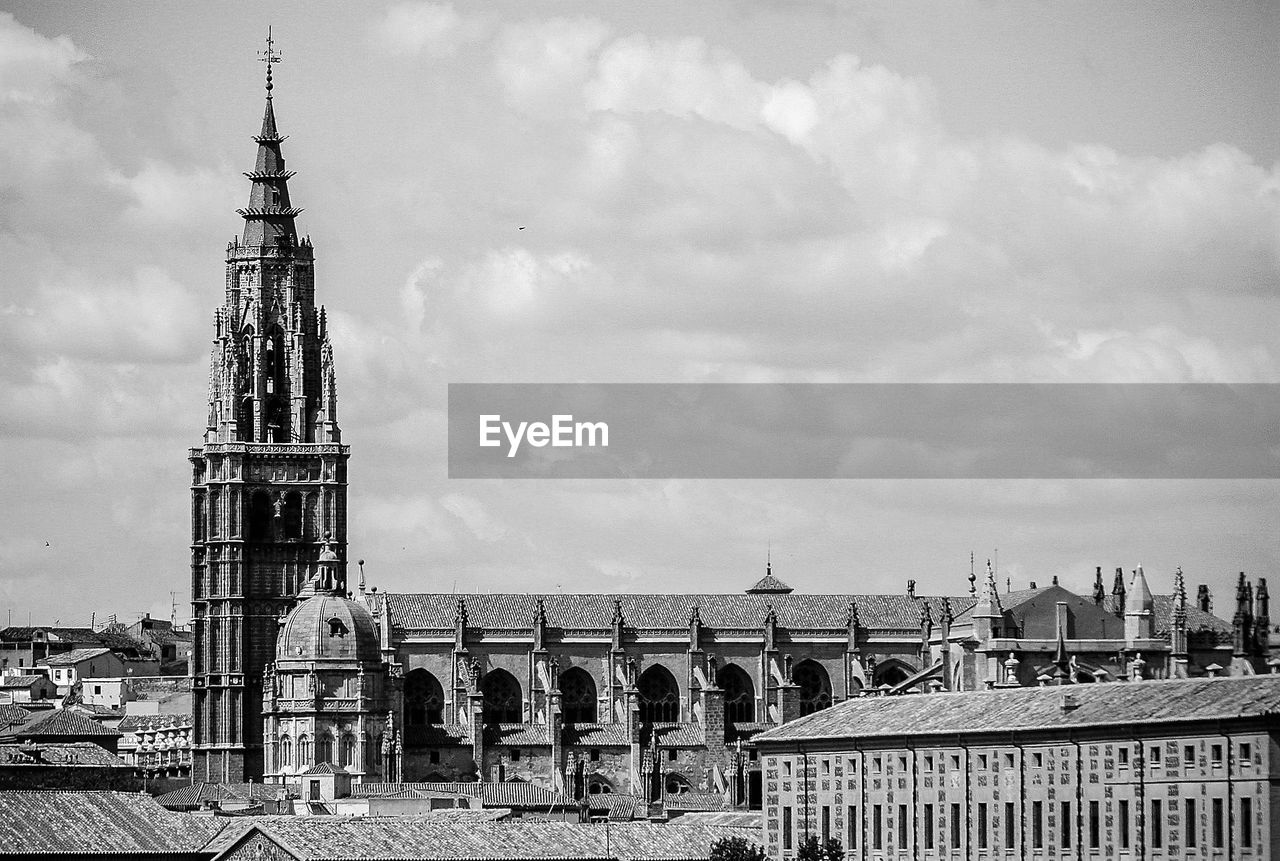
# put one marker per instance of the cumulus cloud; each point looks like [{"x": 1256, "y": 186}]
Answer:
[{"x": 434, "y": 28}]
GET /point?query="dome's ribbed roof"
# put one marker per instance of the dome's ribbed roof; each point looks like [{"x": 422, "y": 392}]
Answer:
[{"x": 327, "y": 627}]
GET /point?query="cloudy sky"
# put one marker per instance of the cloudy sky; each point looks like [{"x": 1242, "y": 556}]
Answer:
[{"x": 710, "y": 192}]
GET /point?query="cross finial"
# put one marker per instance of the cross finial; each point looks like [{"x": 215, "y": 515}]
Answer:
[{"x": 270, "y": 57}]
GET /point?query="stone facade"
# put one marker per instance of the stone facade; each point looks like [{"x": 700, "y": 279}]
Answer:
[
  {"x": 269, "y": 483},
  {"x": 1148, "y": 784}
]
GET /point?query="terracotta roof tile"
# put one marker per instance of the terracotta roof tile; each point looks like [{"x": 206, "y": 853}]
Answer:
[
  {"x": 84, "y": 824},
  {"x": 83, "y": 754},
  {"x": 597, "y": 735},
  {"x": 62, "y": 722},
  {"x": 1024, "y": 709},
  {"x": 442, "y": 839},
  {"x": 435, "y": 611},
  {"x": 75, "y": 656},
  {"x": 517, "y": 735},
  {"x": 680, "y": 735}
]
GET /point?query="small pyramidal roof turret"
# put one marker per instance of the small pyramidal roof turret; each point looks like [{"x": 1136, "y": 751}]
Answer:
[
  {"x": 1138, "y": 598},
  {"x": 269, "y": 216},
  {"x": 769, "y": 584}
]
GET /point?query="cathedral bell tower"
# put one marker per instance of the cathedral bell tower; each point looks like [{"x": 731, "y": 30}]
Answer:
[{"x": 269, "y": 485}]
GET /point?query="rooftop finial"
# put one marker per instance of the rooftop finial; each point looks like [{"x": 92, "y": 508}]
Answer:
[{"x": 270, "y": 57}]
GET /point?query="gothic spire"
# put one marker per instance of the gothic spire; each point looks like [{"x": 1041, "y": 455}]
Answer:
[{"x": 269, "y": 215}]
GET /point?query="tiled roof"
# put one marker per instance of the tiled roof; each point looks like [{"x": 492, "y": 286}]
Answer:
[
  {"x": 443, "y": 735},
  {"x": 75, "y": 656},
  {"x": 146, "y": 723},
  {"x": 434, "y": 838},
  {"x": 59, "y": 722},
  {"x": 195, "y": 794},
  {"x": 517, "y": 735},
  {"x": 512, "y": 793},
  {"x": 10, "y": 715},
  {"x": 1023, "y": 709},
  {"x": 769, "y": 583},
  {"x": 83, "y": 754},
  {"x": 619, "y": 807},
  {"x": 693, "y": 801},
  {"x": 722, "y": 819},
  {"x": 325, "y": 768},
  {"x": 680, "y": 735},
  {"x": 19, "y": 681},
  {"x": 597, "y": 735},
  {"x": 435, "y": 611},
  {"x": 84, "y": 824}
]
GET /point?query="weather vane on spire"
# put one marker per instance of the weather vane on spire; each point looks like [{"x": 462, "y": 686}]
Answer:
[{"x": 270, "y": 57}]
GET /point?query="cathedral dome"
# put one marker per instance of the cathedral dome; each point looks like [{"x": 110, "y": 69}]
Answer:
[{"x": 329, "y": 627}]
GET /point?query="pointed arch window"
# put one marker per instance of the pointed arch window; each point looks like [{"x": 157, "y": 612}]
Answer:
[
  {"x": 502, "y": 698},
  {"x": 815, "y": 686},
  {"x": 348, "y": 751},
  {"x": 739, "y": 694},
  {"x": 286, "y": 753},
  {"x": 324, "y": 748},
  {"x": 577, "y": 696},
  {"x": 304, "y": 751},
  {"x": 423, "y": 699},
  {"x": 659, "y": 696}
]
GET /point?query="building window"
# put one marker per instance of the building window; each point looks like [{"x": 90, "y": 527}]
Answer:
[
  {"x": 1189, "y": 754},
  {"x": 1037, "y": 759},
  {"x": 739, "y": 694},
  {"x": 928, "y": 762},
  {"x": 577, "y": 696},
  {"x": 1218, "y": 828},
  {"x": 877, "y": 764},
  {"x": 927, "y": 828},
  {"x": 1246, "y": 754},
  {"x": 1190, "y": 833},
  {"x": 1095, "y": 826},
  {"x": 1157, "y": 824},
  {"x": 423, "y": 699},
  {"x": 955, "y": 826},
  {"x": 671, "y": 754},
  {"x": 902, "y": 827},
  {"x": 1123, "y": 756},
  {"x": 982, "y": 762},
  {"x": 786, "y": 768},
  {"x": 815, "y": 686},
  {"x": 877, "y": 828},
  {"x": 853, "y": 764},
  {"x": 503, "y": 701},
  {"x": 1008, "y": 760},
  {"x": 786, "y": 828},
  {"x": 1067, "y": 825},
  {"x": 515, "y": 754},
  {"x": 1215, "y": 755},
  {"x": 982, "y": 826},
  {"x": 826, "y": 823},
  {"x": 1246, "y": 822},
  {"x": 1123, "y": 823},
  {"x": 955, "y": 762},
  {"x": 435, "y": 757},
  {"x": 852, "y": 842},
  {"x": 1155, "y": 756},
  {"x": 826, "y": 767},
  {"x": 1037, "y": 825},
  {"x": 1008, "y": 825},
  {"x": 902, "y": 763},
  {"x": 595, "y": 754}
]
